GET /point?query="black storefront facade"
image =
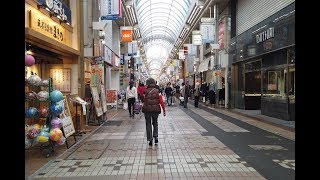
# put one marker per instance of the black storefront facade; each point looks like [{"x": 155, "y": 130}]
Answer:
[{"x": 263, "y": 66}]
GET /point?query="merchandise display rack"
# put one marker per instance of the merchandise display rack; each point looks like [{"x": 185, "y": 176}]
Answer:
[{"x": 47, "y": 147}]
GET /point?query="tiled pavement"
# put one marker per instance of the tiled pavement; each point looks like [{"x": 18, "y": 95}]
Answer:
[{"x": 186, "y": 150}]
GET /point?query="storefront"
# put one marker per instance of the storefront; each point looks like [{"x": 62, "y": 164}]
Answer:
[
  {"x": 263, "y": 69},
  {"x": 54, "y": 43}
]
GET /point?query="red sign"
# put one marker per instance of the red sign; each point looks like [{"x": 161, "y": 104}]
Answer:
[
  {"x": 126, "y": 36},
  {"x": 221, "y": 34},
  {"x": 185, "y": 49}
]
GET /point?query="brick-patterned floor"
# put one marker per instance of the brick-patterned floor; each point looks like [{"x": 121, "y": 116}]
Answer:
[{"x": 119, "y": 150}]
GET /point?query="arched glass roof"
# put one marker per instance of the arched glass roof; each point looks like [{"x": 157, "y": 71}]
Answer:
[{"x": 160, "y": 22}]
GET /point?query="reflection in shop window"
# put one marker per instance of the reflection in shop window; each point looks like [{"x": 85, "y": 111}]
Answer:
[{"x": 274, "y": 83}]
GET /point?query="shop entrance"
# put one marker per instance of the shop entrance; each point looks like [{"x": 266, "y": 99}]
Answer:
[{"x": 252, "y": 85}]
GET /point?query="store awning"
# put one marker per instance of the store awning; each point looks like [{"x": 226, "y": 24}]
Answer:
[{"x": 203, "y": 66}]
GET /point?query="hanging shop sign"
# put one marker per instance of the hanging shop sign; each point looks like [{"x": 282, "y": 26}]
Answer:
[
  {"x": 132, "y": 48},
  {"x": 58, "y": 8},
  {"x": 122, "y": 59},
  {"x": 181, "y": 54},
  {"x": 208, "y": 32},
  {"x": 191, "y": 49},
  {"x": 196, "y": 38},
  {"x": 221, "y": 34},
  {"x": 126, "y": 35},
  {"x": 49, "y": 28},
  {"x": 107, "y": 55},
  {"x": 111, "y": 9},
  {"x": 61, "y": 79}
]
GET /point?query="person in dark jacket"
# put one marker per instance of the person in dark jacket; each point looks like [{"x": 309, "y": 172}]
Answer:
[
  {"x": 168, "y": 92},
  {"x": 152, "y": 101}
]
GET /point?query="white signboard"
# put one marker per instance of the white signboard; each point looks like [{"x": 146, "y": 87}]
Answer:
[
  {"x": 103, "y": 98},
  {"x": 208, "y": 32},
  {"x": 181, "y": 54},
  {"x": 196, "y": 38},
  {"x": 132, "y": 48},
  {"x": 192, "y": 49},
  {"x": 67, "y": 123}
]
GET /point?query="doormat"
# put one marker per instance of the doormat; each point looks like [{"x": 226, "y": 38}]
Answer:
[{"x": 89, "y": 150}]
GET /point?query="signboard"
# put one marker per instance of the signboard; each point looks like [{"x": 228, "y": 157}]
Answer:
[
  {"x": 112, "y": 97},
  {"x": 103, "y": 98},
  {"x": 132, "y": 48},
  {"x": 126, "y": 35},
  {"x": 110, "y": 9},
  {"x": 208, "y": 32},
  {"x": 181, "y": 54},
  {"x": 196, "y": 38},
  {"x": 96, "y": 100},
  {"x": 96, "y": 75},
  {"x": 46, "y": 26},
  {"x": 191, "y": 49},
  {"x": 57, "y": 7},
  {"x": 65, "y": 116},
  {"x": 221, "y": 34},
  {"x": 61, "y": 79},
  {"x": 122, "y": 59}
]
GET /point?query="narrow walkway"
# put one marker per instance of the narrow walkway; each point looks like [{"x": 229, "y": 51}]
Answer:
[{"x": 193, "y": 144}]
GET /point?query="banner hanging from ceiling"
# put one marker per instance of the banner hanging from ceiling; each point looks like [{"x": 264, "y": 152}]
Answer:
[{"x": 110, "y": 9}]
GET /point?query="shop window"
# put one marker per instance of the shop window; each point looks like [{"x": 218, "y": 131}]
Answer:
[{"x": 274, "y": 84}]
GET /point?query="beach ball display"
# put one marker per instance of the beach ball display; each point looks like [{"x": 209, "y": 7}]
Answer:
[
  {"x": 56, "y": 109},
  {"x": 29, "y": 60},
  {"x": 56, "y": 122},
  {"x": 44, "y": 129},
  {"x": 44, "y": 82},
  {"x": 32, "y": 133},
  {"x": 43, "y": 112},
  {"x": 31, "y": 112},
  {"x": 55, "y": 134},
  {"x": 37, "y": 126},
  {"x": 43, "y": 137},
  {"x": 30, "y": 96},
  {"x": 34, "y": 80},
  {"x": 56, "y": 96},
  {"x": 43, "y": 95},
  {"x": 27, "y": 143},
  {"x": 61, "y": 141}
]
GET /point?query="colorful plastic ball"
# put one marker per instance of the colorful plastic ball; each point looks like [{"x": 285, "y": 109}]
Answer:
[
  {"x": 32, "y": 133},
  {"x": 27, "y": 143},
  {"x": 56, "y": 96},
  {"x": 43, "y": 137},
  {"x": 43, "y": 95},
  {"x": 31, "y": 96},
  {"x": 56, "y": 122},
  {"x": 34, "y": 80},
  {"x": 31, "y": 112},
  {"x": 61, "y": 141},
  {"x": 43, "y": 112},
  {"x": 44, "y": 82},
  {"x": 37, "y": 126},
  {"x": 55, "y": 134},
  {"x": 29, "y": 60},
  {"x": 56, "y": 109},
  {"x": 44, "y": 129}
]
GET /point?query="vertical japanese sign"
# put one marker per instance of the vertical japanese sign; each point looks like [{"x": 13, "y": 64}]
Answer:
[
  {"x": 196, "y": 38},
  {"x": 66, "y": 119},
  {"x": 181, "y": 54},
  {"x": 110, "y": 9},
  {"x": 61, "y": 79},
  {"x": 221, "y": 34},
  {"x": 207, "y": 32},
  {"x": 96, "y": 75},
  {"x": 103, "y": 98},
  {"x": 132, "y": 48}
]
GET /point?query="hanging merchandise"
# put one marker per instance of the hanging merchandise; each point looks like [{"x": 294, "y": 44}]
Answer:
[
  {"x": 56, "y": 122},
  {"x": 29, "y": 60},
  {"x": 43, "y": 95},
  {"x": 55, "y": 134},
  {"x": 56, "y": 109},
  {"x": 43, "y": 112},
  {"x": 56, "y": 96},
  {"x": 34, "y": 80}
]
